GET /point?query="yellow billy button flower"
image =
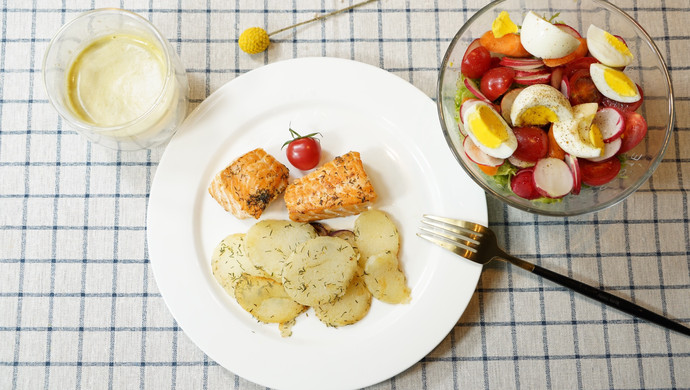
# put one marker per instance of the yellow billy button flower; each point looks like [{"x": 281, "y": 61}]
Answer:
[{"x": 255, "y": 39}]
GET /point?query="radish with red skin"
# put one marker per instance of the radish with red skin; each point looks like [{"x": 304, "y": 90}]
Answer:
[
  {"x": 532, "y": 72},
  {"x": 521, "y": 63},
  {"x": 544, "y": 78},
  {"x": 522, "y": 184},
  {"x": 574, "y": 166},
  {"x": 565, "y": 87},
  {"x": 610, "y": 150},
  {"x": 564, "y": 27},
  {"x": 472, "y": 87},
  {"x": 635, "y": 130},
  {"x": 477, "y": 156},
  {"x": 610, "y": 122},
  {"x": 600, "y": 172},
  {"x": 552, "y": 178},
  {"x": 507, "y": 103},
  {"x": 520, "y": 163}
]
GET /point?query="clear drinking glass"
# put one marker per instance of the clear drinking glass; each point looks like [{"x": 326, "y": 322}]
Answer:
[{"x": 153, "y": 123}]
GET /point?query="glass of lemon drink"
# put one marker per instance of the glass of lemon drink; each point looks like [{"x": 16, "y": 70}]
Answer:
[{"x": 114, "y": 78}]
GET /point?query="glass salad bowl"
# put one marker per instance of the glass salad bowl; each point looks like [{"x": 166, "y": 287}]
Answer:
[{"x": 648, "y": 70}]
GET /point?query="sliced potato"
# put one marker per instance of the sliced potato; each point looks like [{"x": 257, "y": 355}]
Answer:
[
  {"x": 320, "y": 270},
  {"x": 270, "y": 242},
  {"x": 385, "y": 280},
  {"x": 349, "y": 308},
  {"x": 375, "y": 233},
  {"x": 229, "y": 260},
  {"x": 265, "y": 299}
]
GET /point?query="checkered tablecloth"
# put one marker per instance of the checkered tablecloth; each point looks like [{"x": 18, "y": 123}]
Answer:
[{"x": 79, "y": 307}]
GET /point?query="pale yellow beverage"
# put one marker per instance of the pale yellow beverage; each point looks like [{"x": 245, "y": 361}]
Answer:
[{"x": 115, "y": 80}]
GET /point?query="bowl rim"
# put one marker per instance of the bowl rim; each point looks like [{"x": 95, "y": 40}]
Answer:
[{"x": 624, "y": 194}]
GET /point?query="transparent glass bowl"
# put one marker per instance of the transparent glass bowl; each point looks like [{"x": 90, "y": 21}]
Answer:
[{"x": 648, "y": 69}]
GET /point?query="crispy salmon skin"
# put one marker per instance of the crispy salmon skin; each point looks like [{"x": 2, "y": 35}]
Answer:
[
  {"x": 249, "y": 184},
  {"x": 339, "y": 188}
]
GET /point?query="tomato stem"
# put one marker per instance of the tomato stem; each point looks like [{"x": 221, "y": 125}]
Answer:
[{"x": 296, "y": 136}]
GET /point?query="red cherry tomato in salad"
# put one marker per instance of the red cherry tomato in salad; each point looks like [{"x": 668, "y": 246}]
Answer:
[
  {"x": 303, "y": 152},
  {"x": 599, "y": 173},
  {"x": 522, "y": 184},
  {"x": 532, "y": 143},
  {"x": 580, "y": 63},
  {"x": 476, "y": 63},
  {"x": 496, "y": 82},
  {"x": 606, "y": 102},
  {"x": 635, "y": 130},
  {"x": 582, "y": 88}
]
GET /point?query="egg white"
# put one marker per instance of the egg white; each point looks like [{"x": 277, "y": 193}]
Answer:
[
  {"x": 540, "y": 95},
  {"x": 600, "y": 48},
  {"x": 597, "y": 73},
  {"x": 544, "y": 40},
  {"x": 572, "y": 135},
  {"x": 505, "y": 149}
]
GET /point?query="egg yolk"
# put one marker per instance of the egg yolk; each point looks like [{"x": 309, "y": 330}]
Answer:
[
  {"x": 538, "y": 116},
  {"x": 487, "y": 127},
  {"x": 595, "y": 137},
  {"x": 619, "y": 82},
  {"x": 502, "y": 25},
  {"x": 617, "y": 44}
]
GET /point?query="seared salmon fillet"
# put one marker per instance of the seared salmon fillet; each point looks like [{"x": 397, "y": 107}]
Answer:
[
  {"x": 339, "y": 188},
  {"x": 249, "y": 184}
]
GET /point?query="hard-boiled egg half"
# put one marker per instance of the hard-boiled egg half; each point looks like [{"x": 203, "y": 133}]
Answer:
[
  {"x": 607, "y": 49},
  {"x": 614, "y": 84},
  {"x": 578, "y": 136},
  {"x": 544, "y": 40},
  {"x": 488, "y": 130},
  {"x": 538, "y": 105}
]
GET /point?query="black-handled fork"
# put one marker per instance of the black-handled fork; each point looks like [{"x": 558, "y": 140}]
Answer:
[{"x": 478, "y": 243}]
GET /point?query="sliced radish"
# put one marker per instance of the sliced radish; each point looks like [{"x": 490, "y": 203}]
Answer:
[
  {"x": 507, "y": 103},
  {"x": 610, "y": 150},
  {"x": 522, "y": 184},
  {"x": 535, "y": 79},
  {"x": 565, "y": 87},
  {"x": 472, "y": 86},
  {"x": 556, "y": 77},
  {"x": 569, "y": 30},
  {"x": 553, "y": 178},
  {"x": 462, "y": 129},
  {"x": 532, "y": 72},
  {"x": 520, "y": 163},
  {"x": 574, "y": 166},
  {"x": 522, "y": 63},
  {"x": 479, "y": 157},
  {"x": 610, "y": 122}
]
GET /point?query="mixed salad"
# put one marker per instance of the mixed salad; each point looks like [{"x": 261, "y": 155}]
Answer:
[{"x": 545, "y": 110}]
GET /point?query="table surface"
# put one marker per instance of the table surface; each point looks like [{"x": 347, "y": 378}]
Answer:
[{"x": 80, "y": 307}]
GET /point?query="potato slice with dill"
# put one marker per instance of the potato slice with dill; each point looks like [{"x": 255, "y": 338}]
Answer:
[
  {"x": 270, "y": 242},
  {"x": 320, "y": 270},
  {"x": 375, "y": 233},
  {"x": 266, "y": 299},
  {"x": 385, "y": 280},
  {"x": 347, "y": 309},
  {"x": 229, "y": 261}
]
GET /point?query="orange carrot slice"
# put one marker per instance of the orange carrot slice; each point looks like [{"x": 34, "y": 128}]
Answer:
[
  {"x": 555, "y": 150},
  {"x": 489, "y": 170},
  {"x": 508, "y": 44},
  {"x": 580, "y": 52}
]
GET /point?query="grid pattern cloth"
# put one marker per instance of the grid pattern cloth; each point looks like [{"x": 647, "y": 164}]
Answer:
[{"x": 79, "y": 307}]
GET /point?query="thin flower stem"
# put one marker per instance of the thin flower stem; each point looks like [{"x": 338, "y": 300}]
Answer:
[{"x": 324, "y": 16}]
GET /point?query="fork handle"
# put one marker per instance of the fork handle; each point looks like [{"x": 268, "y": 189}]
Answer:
[{"x": 609, "y": 299}]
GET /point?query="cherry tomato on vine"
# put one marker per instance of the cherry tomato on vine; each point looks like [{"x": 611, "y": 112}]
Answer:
[{"x": 303, "y": 151}]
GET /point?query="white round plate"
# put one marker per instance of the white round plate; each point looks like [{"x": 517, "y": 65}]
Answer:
[{"x": 355, "y": 107}]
